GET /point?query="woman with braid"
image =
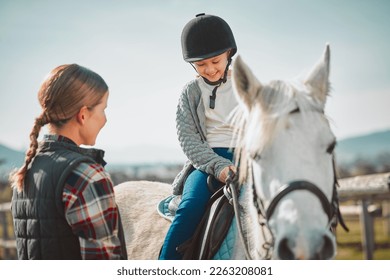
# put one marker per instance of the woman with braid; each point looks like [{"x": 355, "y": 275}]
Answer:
[{"x": 63, "y": 202}]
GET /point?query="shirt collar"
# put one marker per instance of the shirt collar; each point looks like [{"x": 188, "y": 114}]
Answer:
[
  {"x": 54, "y": 139},
  {"x": 58, "y": 138}
]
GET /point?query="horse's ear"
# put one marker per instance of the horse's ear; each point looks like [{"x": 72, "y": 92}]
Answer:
[
  {"x": 245, "y": 83},
  {"x": 318, "y": 78}
]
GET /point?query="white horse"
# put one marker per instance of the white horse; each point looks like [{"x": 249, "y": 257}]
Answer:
[{"x": 286, "y": 174}]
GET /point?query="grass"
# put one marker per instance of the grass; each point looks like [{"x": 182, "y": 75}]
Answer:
[{"x": 349, "y": 244}]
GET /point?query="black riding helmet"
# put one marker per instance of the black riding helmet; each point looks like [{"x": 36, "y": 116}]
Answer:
[{"x": 206, "y": 36}]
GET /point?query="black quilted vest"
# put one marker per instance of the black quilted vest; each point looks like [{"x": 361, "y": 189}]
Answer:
[{"x": 41, "y": 229}]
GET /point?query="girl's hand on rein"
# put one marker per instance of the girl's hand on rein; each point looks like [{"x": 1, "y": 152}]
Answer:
[{"x": 225, "y": 172}]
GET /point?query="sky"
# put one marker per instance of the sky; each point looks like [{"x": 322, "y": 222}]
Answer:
[{"x": 135, "y": 47}]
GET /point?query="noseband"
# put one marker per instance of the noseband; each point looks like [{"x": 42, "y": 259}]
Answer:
[
  {"x": 331, "y": 208},
  {"x": 295, "y": 186}
]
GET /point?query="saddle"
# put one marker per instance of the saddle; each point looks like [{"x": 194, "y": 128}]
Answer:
[{"x": 213, "y": 227}]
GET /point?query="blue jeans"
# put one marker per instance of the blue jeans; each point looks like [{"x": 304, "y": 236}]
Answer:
[{"x": 190, "y": 211}]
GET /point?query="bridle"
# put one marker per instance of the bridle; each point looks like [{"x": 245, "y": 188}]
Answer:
[{"x": 232, "y": 189}]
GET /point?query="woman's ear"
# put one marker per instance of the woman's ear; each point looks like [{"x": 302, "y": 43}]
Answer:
[{"x": 82, "y": 115}]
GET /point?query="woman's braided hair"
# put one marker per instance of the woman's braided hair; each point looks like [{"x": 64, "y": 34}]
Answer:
[{"x": 62, "y": 94}]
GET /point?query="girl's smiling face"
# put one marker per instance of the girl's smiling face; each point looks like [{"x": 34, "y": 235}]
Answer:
[{"x": 212, "y": 68}]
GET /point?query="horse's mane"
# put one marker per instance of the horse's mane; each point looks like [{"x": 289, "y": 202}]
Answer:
[{"x": 256, "y": 126}]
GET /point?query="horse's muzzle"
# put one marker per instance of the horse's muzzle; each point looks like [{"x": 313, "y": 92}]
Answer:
[{"x": 321, "y": 248}]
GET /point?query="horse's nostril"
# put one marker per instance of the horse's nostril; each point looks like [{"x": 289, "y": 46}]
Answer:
[
  {"x": 284, "y": 250},
  {"x": 327, "y": 250}
]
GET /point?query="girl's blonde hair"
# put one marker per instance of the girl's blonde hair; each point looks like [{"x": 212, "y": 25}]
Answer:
[{"x": 65, "y": 90}]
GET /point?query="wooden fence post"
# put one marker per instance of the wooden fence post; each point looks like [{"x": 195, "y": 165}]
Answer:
[
  {"x": 7, "y": 242},
  {"x": 367, "y": 225},
  {"x": 386, "y": 217},
  {"x": 4, "y": 225}
]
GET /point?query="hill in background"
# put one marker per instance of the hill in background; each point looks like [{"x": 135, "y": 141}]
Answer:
[
  {"x": 366, "y": 147},
  {"x": 9, "y": 160}
]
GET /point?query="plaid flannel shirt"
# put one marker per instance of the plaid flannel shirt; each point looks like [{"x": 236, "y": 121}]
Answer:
[{"x": 91, "y": 211}]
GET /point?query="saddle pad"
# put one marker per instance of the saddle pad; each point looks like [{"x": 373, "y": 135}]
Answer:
[{"x": 225, "y": 252}]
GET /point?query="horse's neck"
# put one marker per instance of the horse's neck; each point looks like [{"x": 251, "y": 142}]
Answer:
[{"x": 255, "y": 235}]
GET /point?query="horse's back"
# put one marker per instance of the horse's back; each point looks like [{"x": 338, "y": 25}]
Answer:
[{"x": 144, "y": 229}]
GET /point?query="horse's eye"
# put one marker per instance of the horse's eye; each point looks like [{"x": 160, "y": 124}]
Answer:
[
  {"x": 256, "y": 157},
  {"x": 331, "y": 147},
  {"x": 295, "y": 111}
]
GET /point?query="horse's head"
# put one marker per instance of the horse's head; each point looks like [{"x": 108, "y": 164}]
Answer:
[{"x": 286, "y": 150}]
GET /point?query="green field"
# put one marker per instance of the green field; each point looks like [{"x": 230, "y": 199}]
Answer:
[{"x": 349, "y": 244}]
